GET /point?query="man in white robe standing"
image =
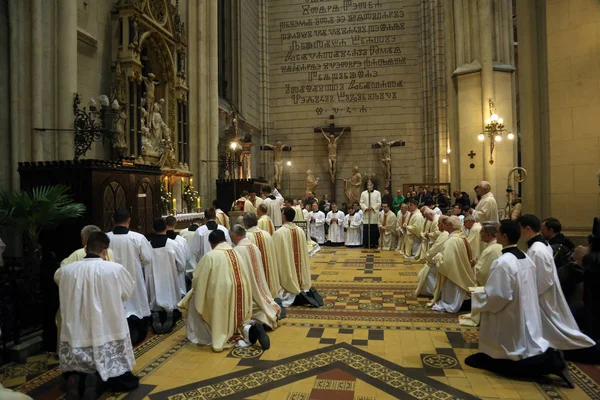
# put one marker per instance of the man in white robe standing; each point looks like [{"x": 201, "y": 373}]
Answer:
[
  {"x": 335, "y": 220},
  {"x": 370, "y": 203},
  {"x": 454, "y": 271},
  {"x": 474, "y": 235},
  {"x": 133, "y": 252},
  {"x": 264, "y": 242},
  {"x": 162, "y": 279},
  {"x": 354, "y": 223},
  {"x": 200, "y": 245},
  {"x": 273, "y": 200},
  {"x": 218, "y": 309},
  {"x": 558, "y": 325},
  {"x": 94, "y": 340},
  {"x": 428, "y": 274},
  {"x": 511, "y": 337},
  {"x": 387, "y": 228},
  {"x": 316, "y": 224},
  {"x": 400, "y": 218},
  {"x": 487, "y": 208},
  {"x": 264, "y": 307},
  {"x": 171, "y": 222},
  {"x": 294, "y": 265},
  {"x": 264, "y": 221},
  {"x": 412, "y": 228},
  {"x": 429, "y": 233}
]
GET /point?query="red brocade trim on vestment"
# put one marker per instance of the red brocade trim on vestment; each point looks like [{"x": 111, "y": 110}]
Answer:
[
  {"x": 260, "y": 243},
  {"x": 296, "y": 248},
  {"x": 254, "y": 260},
  {"x": 239, "y": 288}
]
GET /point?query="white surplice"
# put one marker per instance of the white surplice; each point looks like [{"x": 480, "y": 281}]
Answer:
[
  {"x": 487, "y": 209},
  {"x": 474, "y": 238},
  {"x": 80, "y": 254},
  {"x": 274, "y": 210},
  {"x": 200, "y": 245},
  {"x": 336, "y": 229},
  {"x": 291, "y": 250},
  {"x": 133, "y": 251},
  {"x": 189, "y": 237},
  {"x": 510, "y": 314},
  {"x": 354, "y": 235},
  {"x": 94, "y": 334},
  {"x": 373, "y": 200},
  {"x": 428, "y": 274},
  {"x": 316, "y": 228},
  {"x": 387, "y": 227},
  {"x": 162, "y": 276},
  {"x": 264, "y": 308},
  {"x": 184, "y": 252},
  {"x": 558, "y": 325},
  {"x": 264, "y": 242}
]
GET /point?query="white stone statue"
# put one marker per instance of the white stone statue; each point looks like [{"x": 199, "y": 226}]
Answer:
[
  {"x": 150, "y": 90},
  {"x": 120, "y": 143},
  {"x": 246, "y": 156},
  {"x": 386, "y": 159},
  {"x": 352, "y": 186},
  {"x": 332, "y": 147},
  {"x": 278, "y": 149}
]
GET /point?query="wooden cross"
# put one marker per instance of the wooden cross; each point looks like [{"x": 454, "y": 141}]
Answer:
[
  {"x": 332, "y": 129},
  {"x": 472, "y": 155}
]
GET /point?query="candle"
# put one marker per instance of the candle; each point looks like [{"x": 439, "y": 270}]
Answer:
[
  {"x": 166, "y": 184},
  {"x": 174, "y": 205},
  {"x": 191, "y": 181},
  {"x": 198, "y": 204}
]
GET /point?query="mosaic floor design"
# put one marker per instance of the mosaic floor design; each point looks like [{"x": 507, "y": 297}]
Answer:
[{"x": 373, "y": 340}]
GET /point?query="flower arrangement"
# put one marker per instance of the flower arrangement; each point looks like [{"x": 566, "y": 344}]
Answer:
[
  {"x": 190, "y": 196},
  {"x": 165, "y": 199}
]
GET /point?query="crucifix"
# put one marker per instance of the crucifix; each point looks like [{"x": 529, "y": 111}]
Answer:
[
  {"x": 386, "y": 158},
  {"x": 472, "y": 155},
  {"x": 332, "y": 133},
  {"x": 277, "y": 161}
]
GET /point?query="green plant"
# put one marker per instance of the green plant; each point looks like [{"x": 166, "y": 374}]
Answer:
[{"x": 44, "y": 208}]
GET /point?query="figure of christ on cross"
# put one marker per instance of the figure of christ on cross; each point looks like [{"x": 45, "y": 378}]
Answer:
[
  {"x": 386, "y": 158},
  {"x": 278, "y": 149},
  {"x": 330, "y": 134}
]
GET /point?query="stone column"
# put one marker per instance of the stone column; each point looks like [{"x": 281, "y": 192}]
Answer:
[
  {"x": 487, "y": 73},
  {"x": 67, "y": 74},
  {"x": 37, "y": 75},
  {"x": 213, "y": 96},
  {"x": 16, "y": 15}
]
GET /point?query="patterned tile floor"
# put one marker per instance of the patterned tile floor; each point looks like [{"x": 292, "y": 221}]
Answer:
[{"x": 373, "y": 340}]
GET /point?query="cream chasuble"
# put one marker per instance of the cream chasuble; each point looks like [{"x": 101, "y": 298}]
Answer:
[
  {"x": 250, "y": 207},
  {"x": 474, "y": 238},
  {"x": 336, "y": 228},
  {"x": 454, "y": 274},
  {"x": 428, "y": 274},
  {"x": 558, "y": 325},
  {"x": 412, "y": 236},
  {"x": 220, "y": 301},
  {"x": 428, "y": 236},
  {"x": 222, "y": 218},
  {"x": 387, "y": 229},
  {"x": 264, "y": 242},
  {"x": 264, "y": 308},
  {"x": 265, "y": 223},
  {"x": 400, "y": 218},
  {"x": 299, "y": 214},
  {"x": 292, "y": 257},
  {"x": 487, "y": 209},
  {"x": 80, "y": 254},
  {"x": 354, "y": 229},
  {"x": 510, "y": 315},
  {"x": 94, "y": 334}
]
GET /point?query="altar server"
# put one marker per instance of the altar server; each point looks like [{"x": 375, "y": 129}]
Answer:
[
  {"x": 80, "y": 254},
  {"x": 133, "y": 252},
  {"x": 429, "y": 233},
  {"x": 400, "y": 218},
  {"x": 387, "y": 228},
  {"x": 511, "y": 338},
  {"x": 335, "y": 220},
  {"x": 273, "y": 200},
  {"x": 201, "y": 245},
  {"x": 354, "y": 226},
  {"x": 474, "y": 235},
  {"x": 222, "y": 218},
  {"x": 264, "y": 308},
  {"x": 411, "y": 229},
  {"x": 428, "y": 274},
  {"x": 454, "y": 270},
  {"x": 487, "y": 208},
  {"x": 94, "y": 341},
  {"x": 264, "y": 221},
  {"x": 184, "y": 247},
  {"x": 316, "y": 225},
  {"x": 264, "y": 242},
  {"x": 162, "y": 279},
  {"x": 370, "y": 203},
  {"x": 219, "y": 306},
  {"x": 558, "y": 325}
]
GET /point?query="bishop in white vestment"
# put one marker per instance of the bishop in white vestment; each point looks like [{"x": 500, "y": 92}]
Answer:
[
  {"x": 252, "y": 203},
  {"x": 273, "y": 200},
  {"x": 316, "y": 224},
  {"x": 264, "y": 221},
  {"x": 133, "y": 252},
  {"x": 428, "y": 274},
  {"x": 487, "y": 208},
  {"x": 264, "y": 242},
  {"x": 354, "y": 222},
  {"x": 412, "y": 229},
  {"x": 200, "y": 245},
  {"x": 474, "y": 236},
  {"x": 387, "y": 229},
  {"x": 335, "y": 220}
]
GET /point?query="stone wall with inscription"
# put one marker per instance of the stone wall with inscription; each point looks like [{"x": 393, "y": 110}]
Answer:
[{"x": 358, "y": 60}]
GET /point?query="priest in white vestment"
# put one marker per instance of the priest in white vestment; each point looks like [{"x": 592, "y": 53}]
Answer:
[
  {"x": 558, "y": 325},
  {"x": 218, "y": 309},
  {"x": 273, "y": 200},
  {"x": 428, "y": 274},
  {"x": 412, "y": 228},
  {"x": 171, "y": 222},
  {"x": 429, "y": 233},
  {"x": 387, "y": 228},
  {"x": 162, "y": 278},
  {"x": 80, "y": 254},
  {"x": 316, "y": 224},
  {"x": 294, "y": 205},
  {"x": 222, "y": 218},
  {"x": 264, "y": 307},
  {"x": 487, "y": 208},
  {"x": 94, "y": 337},
  {"x": 491, "y": 253},
  {"x": 200, "y": 246},
  {"x": 474, "y": 235},
  {"x": 264, "y": 221},
  {"x": 370, "y": 204},
  {"x": 335, "y": 220},
  {"x": 354, "y": 223},
  {"x": 292, "y": 258},
  {"x": 402, "y": 216},
  {"x": 252, "y": 203},
  {"x": 264, "y": 242},
  {"x": 454, "y": 271},
  {"x": 133, "y": 252},
  {"x": 511, "y": 338}
]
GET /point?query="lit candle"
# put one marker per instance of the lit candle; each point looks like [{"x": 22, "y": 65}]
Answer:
[
  {"x": 198, "y": 204},
  {"x": 174, "y": 205},
  {"x": 166, "y": 184},
  {"x": 191, "y": 181}
]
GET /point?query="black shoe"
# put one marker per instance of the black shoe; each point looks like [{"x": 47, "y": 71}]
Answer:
[
  {"x": 92, "y": 387},
  {"x": 156, "y": 324},
  {"x": 168, "y": 324},
  {"x": 280, "y": 304},
  {"x": 315, "y": 295},
  {"x": 261, "y": 335},
  {"x": 309, "y": 299},
  {"x": 73, "y": 387}
]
